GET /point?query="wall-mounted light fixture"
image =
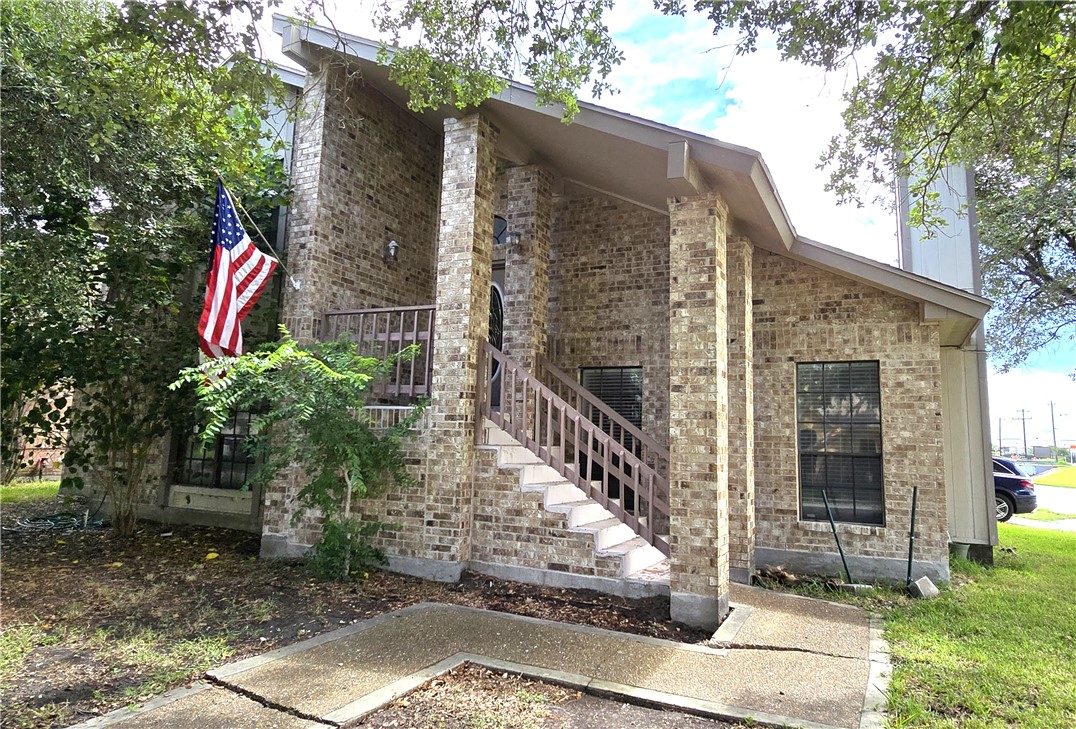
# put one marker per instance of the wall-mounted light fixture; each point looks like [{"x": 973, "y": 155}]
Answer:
[
  {"x": 391, "y": 250},
  {"x": 511, "y": 239}
]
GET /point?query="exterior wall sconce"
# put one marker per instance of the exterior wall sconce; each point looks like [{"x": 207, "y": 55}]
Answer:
[
  {"x": 390, "y": 251},
  {"x": 512, "y": 239}
]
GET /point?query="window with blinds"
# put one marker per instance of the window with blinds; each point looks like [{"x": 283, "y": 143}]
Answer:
[
  {"x": 839, "y": 424},
  {"x": 621, "y": 388}
]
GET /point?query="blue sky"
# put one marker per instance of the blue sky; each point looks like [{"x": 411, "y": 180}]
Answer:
[{"x": 678, "y": 72}]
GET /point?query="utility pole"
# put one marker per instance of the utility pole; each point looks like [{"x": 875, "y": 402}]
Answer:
[
  {"x": 1024, "y": 417},
  {"x": 1053, "y": 428},
  {"x": 1001, "y": 442}
]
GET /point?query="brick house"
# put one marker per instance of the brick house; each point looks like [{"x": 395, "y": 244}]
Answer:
[{"x": 642, "y": 379}]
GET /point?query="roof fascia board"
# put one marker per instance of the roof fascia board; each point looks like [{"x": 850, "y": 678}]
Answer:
[
  {"x": 888, "y": 278},
  {"x": 682, "y": 171}
]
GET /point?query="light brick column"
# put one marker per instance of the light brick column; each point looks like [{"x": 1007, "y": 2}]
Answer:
[
  {"x": 741, "y": 412},
  {"x": 464, "y": 271},
  {"x": 698, "y": 412},
  {"x": 528, "y": 210}
]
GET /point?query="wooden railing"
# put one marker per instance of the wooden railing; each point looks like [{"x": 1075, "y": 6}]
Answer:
[
  {"x": 385, "y": 332},
  {"x": 645, "y": 447},
  {"x": 576, "y": 447}
]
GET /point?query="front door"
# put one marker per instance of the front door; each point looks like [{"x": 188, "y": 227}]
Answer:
[{"x": 496, "y": 328}]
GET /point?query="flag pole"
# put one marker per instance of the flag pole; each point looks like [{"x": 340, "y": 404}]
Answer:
[{"x": 239, "y": 205}]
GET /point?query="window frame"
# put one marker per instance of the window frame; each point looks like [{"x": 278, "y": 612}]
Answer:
[
  {"x": 189, "y": 447},
  {"x": 855, "y": 463}
]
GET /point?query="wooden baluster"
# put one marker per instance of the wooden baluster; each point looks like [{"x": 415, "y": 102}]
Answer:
[
  {"x": 563, "y": 443},
  {"x": 399, "y": 348},
  {"x": 428, "y": 348},
  {"x": 522, "y": 401},
  {"x": 480, "y": 393},
  {"x": 414, "y": 360},
  {"x": 549, "y": 424},
  {"x": 650, "y": 507},
  {"x": 607, "y": 463}
]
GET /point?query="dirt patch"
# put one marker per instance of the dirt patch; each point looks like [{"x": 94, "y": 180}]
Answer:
[
  {"x": 92, "y": 623},
  {"x": 473, "y": 696}
]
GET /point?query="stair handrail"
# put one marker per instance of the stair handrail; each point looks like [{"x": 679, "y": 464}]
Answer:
[
  {"x": 658, "y": 456},
  {"x": 632, "y": 472}
]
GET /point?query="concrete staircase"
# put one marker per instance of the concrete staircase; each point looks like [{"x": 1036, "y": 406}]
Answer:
[{"x": 612, "y": 538}]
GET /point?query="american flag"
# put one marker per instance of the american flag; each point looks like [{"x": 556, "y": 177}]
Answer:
[{"x": 237, "y": 275}]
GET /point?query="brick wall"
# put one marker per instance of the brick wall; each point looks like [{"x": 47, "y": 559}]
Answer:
[
  {"x": 525, "y": 202},
  {"x": 804, "y": 314},
  {"x": 513, "y": 528},
  {"x": 698, "y": 411},
  {"x": 741, "y": 410},
  {"x": 464, "y": 271},
  {"x": 609, "y": 295},
  {"x": 365, "y": 172}
]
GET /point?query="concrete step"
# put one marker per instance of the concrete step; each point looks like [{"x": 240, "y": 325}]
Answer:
[
  {"x": 607, "y": 532},
  {"x": 498, "y": 437},
  {"x": 612, "y": 538},
  {"x": 636, "y": 554},
  {"x": 515, "y": 456},
  {"x": 538, "y": 472},
  {"x": 579, "y": 512}
]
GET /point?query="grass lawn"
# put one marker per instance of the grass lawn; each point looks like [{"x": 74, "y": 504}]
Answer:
[
  {"x": 20, "y": 492},
  {"x": 1041, "y": 514},
  {"x": 1060, "y": 476},
  {"x": 997, "y": 651}
]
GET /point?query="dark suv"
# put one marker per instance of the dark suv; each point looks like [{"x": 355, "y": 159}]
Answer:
[{"x": 1013, "y": 491}]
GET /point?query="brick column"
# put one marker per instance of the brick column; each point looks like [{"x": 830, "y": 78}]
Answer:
[
  {"x": 527, "y": 210},
  {"x": 464, "y": 269},
  {"x": 698, "y": 411},
  {"x": 741, "y": 412},
  {"x": 302, "y": 308}
]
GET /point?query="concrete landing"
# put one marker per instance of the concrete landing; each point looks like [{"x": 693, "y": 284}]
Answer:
[{"x": 780, "y": 660}]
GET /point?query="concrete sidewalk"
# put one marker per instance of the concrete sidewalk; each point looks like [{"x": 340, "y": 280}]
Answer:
[{"x": 779, "y": 659}]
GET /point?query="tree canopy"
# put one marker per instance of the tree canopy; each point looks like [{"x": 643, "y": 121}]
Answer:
[
  {"x": 985, "y": 84},
  {"x": 115, "y": 121}
]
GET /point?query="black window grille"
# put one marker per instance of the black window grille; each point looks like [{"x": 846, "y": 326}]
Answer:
[
  {"x": 222, "y": 464},
  {"x": 839, "y": 419}
]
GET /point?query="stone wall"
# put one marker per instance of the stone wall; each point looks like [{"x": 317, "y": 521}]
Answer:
[
  {"x": 804, "y": 314},
  {"x": 609, "y": 295}
]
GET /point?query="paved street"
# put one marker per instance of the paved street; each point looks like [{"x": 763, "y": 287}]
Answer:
[{"x": 1057, "y": 499}]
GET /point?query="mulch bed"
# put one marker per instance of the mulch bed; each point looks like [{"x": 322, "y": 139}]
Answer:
[
  {"x": 474, "y": 696},
  {"x": 165, "y": 582}
]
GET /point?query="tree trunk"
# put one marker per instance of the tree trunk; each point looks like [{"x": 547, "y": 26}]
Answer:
[{"x": 347, "y": 525}]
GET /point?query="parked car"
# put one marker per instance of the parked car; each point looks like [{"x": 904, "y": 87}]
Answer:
[{"x": 1014, "y": 493}]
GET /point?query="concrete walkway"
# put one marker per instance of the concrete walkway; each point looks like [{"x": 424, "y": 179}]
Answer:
[{"x": 779, "y": 659}]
